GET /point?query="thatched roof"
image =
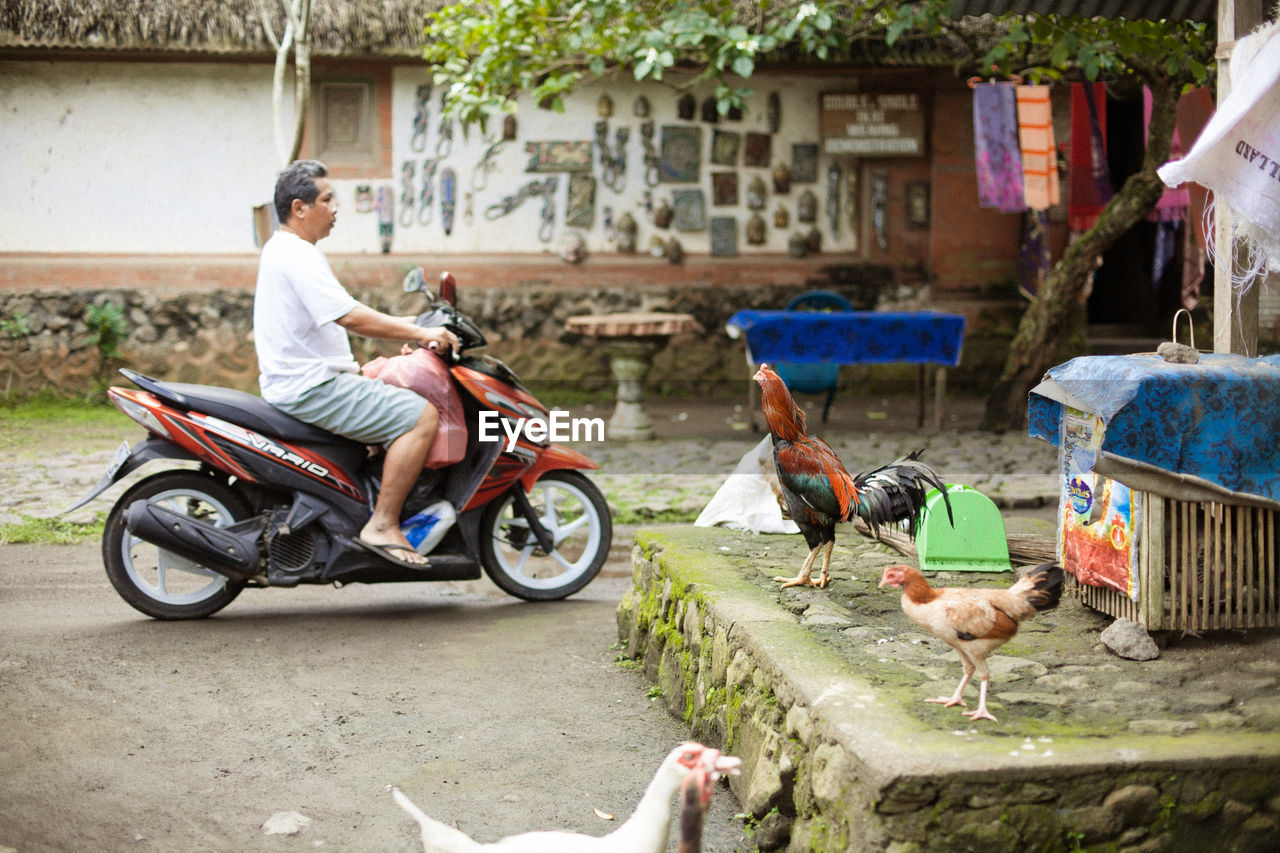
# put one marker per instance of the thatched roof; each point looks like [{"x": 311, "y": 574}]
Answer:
[
  {"x": 371, "y": 27},
  {"x": 229, "y": 27}
]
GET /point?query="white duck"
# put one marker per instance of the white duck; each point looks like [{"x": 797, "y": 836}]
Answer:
[
  {"x": 696, "y": 793},
  {"x": 646, "y": 831}
]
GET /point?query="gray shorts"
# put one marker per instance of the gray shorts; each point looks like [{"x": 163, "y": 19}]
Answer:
[{"x": 360, "y": 408}]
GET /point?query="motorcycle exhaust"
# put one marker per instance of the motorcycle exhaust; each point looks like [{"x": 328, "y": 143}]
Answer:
[{"x": 229, "y": 551}]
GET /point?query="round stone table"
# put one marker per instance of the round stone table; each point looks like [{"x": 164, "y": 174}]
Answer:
[{"x": 631, "y": 340}]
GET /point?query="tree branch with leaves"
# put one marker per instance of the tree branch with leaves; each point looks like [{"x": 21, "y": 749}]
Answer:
[{"x": 490, "y": 51}]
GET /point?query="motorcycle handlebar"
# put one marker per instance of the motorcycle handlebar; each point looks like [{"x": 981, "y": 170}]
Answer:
[{"x": 469, "y": 335}]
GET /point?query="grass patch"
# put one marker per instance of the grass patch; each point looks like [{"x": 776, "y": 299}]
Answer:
[
  {"x": 38, "y": 423},
  {"x": 50, "y": 531},
  {"x": 643, "y": 515}
]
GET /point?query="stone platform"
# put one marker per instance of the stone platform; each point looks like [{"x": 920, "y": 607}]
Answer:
[{"x": 820, "y": 692}]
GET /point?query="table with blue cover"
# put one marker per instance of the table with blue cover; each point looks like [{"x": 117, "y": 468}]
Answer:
[
  {"x": 855, "y": 337},
  {"x": 1210, "y": 426}
]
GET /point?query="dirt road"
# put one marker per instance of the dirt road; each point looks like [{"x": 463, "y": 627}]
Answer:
[{"x": 122, "y": 733}]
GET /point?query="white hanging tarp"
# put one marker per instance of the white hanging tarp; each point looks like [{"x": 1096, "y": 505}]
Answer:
[{"x": 1238, "y": 154}]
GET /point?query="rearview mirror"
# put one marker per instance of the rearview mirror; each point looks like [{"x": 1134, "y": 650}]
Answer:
[{"x": 415, "y": 280}]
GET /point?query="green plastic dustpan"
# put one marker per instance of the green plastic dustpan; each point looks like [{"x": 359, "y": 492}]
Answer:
[{"x": 977, "y": 542}]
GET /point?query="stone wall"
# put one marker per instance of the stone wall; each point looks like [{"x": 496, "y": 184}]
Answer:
[
  {"x": 831, "y": 763},
  {"x": 204, "y": 335},
  {"x": 187, "y": 336}
]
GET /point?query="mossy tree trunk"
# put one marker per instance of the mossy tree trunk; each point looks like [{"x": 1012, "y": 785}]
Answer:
[{"x": 1048, "y": 318}]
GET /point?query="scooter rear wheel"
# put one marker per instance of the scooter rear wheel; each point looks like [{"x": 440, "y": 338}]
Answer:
[
  {"x": 160, "y": 583},
  {"x": 575, "y": 515}
]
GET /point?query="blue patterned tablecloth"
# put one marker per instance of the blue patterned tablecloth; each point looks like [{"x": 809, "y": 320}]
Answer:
[
  {"x": 851, "y": 337},
  {"x": 1218, "y": 420}
]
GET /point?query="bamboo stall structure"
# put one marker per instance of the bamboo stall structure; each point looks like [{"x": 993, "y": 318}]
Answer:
[{"x": 1203, "y": 566}]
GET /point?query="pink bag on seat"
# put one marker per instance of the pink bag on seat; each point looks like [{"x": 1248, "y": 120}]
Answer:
[{"x": 422, "y": 371}]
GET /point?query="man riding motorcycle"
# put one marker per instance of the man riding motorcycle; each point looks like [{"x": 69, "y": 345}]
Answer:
[{"x": 301, "y": 316}]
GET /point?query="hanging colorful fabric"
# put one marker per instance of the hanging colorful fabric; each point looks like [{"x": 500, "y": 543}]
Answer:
[
  {"x": 1174, "y": 201},
  {"x": 1170, "y": 210},
  {"x": 1035, "y": 138},
  {"x": 1089, "y": 188},
  {"x": 995, "y": 138}
]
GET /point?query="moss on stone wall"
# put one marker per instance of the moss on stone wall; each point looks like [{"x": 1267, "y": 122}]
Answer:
[{"x": 829, "y": 765}]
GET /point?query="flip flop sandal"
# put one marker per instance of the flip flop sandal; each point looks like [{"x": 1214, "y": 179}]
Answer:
[{"x": 385, "y": 552}]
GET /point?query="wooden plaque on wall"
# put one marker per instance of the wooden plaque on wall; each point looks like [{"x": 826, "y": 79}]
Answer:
[{"x": 871, "y": 124}]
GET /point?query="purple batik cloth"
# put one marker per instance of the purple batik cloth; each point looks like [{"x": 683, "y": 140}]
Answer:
[{"x": 997, "y": 154}]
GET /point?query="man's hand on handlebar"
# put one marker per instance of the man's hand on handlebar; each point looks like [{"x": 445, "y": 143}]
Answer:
[{"x": 440, "y": 341}]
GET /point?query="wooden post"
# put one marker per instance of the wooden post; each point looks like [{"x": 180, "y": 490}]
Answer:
[{"x": 1235, "y": 316}]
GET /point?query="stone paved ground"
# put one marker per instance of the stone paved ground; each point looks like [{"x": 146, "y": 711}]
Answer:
[
  {"x": 822, "y": 691},
  {"x": 1223, "y": 680},
  {"x": 1054, "y": 678},
  {"x": 699, "y": 443}
]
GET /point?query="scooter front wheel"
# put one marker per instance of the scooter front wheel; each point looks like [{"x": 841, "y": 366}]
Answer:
[
  {"x": 573, "y": 512},
  {"x": 160, "y": 583}
]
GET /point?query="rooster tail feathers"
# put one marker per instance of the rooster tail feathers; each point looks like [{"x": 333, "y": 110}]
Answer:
[
  {"x": 931, "y": 477},
  {"x": 1041, "y": 587},
  {"x": 896, "y": 492}
]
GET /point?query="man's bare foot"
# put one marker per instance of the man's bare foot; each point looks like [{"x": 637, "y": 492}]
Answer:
[{"x": 390, "y": 544}]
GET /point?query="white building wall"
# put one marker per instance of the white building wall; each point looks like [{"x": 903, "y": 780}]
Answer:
[
  {"x": 170, "y": 158},
  {"x": 148, "y": 158}
]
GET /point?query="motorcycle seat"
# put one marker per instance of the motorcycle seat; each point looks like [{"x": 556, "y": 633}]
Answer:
[
  {"x": 238, "y": 407},
  {"x": 251, "y": 411}
]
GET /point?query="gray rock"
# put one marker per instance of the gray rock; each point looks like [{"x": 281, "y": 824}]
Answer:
[
  {"x": 1129, "y": 640},
  {"x": 1094, "y": 824},
  {"x": 1006, "y": 667},
  {"x": 1136, "y": 805},
  {"x": 826, "y": 615},
  {"x": 1264, "y": 713},
  {"x": 1027, "y": 698},
  {"x": 285, "y": 823},
  {"x": 861, "y": 634},
  {"x": 1205, "y": 701},
  {"x": 1060, "y": 682},
  {"x": 1162, "y": 727},
  {"x": 1222, "y": 720},
  {"x": 1265, "y": 667}
]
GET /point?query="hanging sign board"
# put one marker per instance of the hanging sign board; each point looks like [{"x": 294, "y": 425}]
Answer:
[{"x": 871, "y": 125}]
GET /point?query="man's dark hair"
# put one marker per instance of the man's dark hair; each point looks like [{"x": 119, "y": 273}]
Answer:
[{"x": 298, "y": 180}]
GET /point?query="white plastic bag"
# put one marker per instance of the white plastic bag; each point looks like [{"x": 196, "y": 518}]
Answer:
[
  {"x": 747, "y": 500},
  {"x": 1238, "y": 153}
]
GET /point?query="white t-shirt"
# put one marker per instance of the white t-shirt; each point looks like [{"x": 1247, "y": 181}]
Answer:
[{"x": 298, "y": 298}]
